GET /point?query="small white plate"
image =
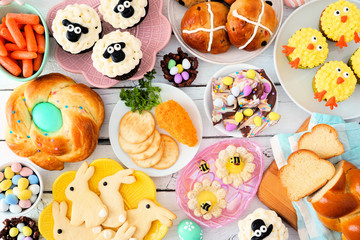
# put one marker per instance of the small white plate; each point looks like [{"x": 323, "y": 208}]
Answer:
[
  {"x": 185, "y": 153},
  {"x": 298, "y": 82},
  {"x": 208, "y": 99},
  {"x": 234, "y": 55}
]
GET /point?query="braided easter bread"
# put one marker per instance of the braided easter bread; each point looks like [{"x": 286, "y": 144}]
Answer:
[{"x": 52, "y": 120}]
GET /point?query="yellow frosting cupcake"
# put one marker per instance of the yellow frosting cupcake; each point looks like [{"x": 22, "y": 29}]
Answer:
[
  {"x": 334, "y": 82},
  {"x": 307, "y": 48},
  {"x": 354, "y": 63}
]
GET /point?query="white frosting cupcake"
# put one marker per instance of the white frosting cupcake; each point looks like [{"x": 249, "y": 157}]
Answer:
[
  {"x": 262, "y": 224},
  {"x": 76, "y": 28},
  {"x": 117, "y": 54},
  {"x": 123, "y": 13}
]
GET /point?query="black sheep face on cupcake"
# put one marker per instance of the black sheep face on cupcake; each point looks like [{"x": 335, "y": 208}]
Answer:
[
  {"x": 124, "y": 8},
  {"x": 74, "y": 30},
  {"x": 261, "y": 231},
  {"x": 115, "y": 51}
]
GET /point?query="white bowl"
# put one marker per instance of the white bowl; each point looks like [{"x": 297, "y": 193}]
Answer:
[
  {"x": 233, "y": 55},
  {"x": 9, "y": 214},
  {"x": 208, "y": 100}
]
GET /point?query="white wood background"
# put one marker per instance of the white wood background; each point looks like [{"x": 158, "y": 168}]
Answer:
[{"x": 292, "y": 118}]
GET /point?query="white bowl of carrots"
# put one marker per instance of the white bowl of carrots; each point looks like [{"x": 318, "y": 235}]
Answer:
[{"x": 24, "y": 42}]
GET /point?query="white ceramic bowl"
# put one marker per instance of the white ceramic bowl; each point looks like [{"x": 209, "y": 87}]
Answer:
[
  {"x": 9, "y": 214},
  {"x": 234, "y": 55},
  {"x": 208, "y": 100}
]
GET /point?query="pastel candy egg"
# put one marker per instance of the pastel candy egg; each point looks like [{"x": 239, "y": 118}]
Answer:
[
  {"x": 239, "y": 117},
  {"x": 174, "y": 70},
  {"x": 273, "y": 116},
  {"x": 25, "y": 172},
  {"x": 3, "y": 206},
  {"x": 16, "y": 179},
  {"x": 247, "y": 90},
  {"x": 186, "y": 63},
  {"x": 33, "y": 198},
  {"x": 263, "y": 96},
  {"x": 1, "y": 176},
  {"x": 10, "y": 191},
  {"x": 25, "y": 203},
  {"x": 33, "y": 179},
  {"x": 13, "y": 232},
  {"x": 171, "y": 63},
  {"x": 5, "y": 185},
  {"x": 267, "y": 87},
  {"x": 11, "y": 199},
  {"x": 228, "y": 81},
  {"x": 185, "y": 75},
  {"x": 177, "y": 78},
  {"x": 230, "y": 100},
  {"x": 15, "y": 209},
  {"x": 180, "y": 68},
  {"x": 235, "y": 91},
  {"x": 230, "y": 127},
  {"x": 20, "y": 226},
  {"x": 218, "y": 102},
  {"x": 248, "y": 112},
  {"x": 257, "y": 121},
  {"x": 27, "y": 238},
  {"x": 189, "y": 230},
  {"x": 16, "y": 167},
  {"x": 16, "y": 191},
  {"x": 27, "y": 231},
  {"x": 25, "y": 194},
  {"x": 23, "y": 183},
  {"x": 2, "y": 196},
  {"x": 250, "y": 74},
  {"x": 8, "y": 173},
  {"x": 20, "y": 236},
  {"x": 34, "y": 188}
]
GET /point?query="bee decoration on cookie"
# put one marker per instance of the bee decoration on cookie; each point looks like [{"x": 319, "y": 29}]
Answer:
[
  {"x": 115, "y": 51},
  {"x": 235, "y": 159},
  {"x": 261, "y": 231},
  {"x": 74, "y": 30},
  {"x": 204, "y": 166},
  {"x": 124, "y": 7},
  {"x": 206, "y": 206}
]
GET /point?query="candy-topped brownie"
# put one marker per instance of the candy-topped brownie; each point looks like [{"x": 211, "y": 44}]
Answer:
[
  {"x": 244, "y": 101},
  {"x": 19, "y": 228}
]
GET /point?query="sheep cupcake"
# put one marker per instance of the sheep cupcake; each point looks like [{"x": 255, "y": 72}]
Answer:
[
  {"x": 117, "y": 55},
  {"x": 124, "y": 13},
  {"x": 76, "y": 28}
]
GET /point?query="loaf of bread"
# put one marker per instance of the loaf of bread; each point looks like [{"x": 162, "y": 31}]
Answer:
[{"x": 338, "y": 202}]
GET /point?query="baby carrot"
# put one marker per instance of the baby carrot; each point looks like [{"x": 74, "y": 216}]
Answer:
[
  {"x": 27, "y": 66},
  {"x": 38, "y": 61},
  {"x": 30, "y": 39},
  {"x": 39, "y": 28},
  {"x": 15, "y": 32},
  {"x": 4, "y": 32},
  {"x": 13, "y": 47},
  {"x": 40, "y": 39},
  {"x": 10, "y": 65},
  {"x": 3, "y": 51},
  {"x": 23, "y": 55},
  {"x": 22, "y": 18}
]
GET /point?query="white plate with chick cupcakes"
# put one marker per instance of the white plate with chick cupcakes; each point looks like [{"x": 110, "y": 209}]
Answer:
[
  {"x": 204, "y": 28},
  {"x": 157, "y": 142},
  {"x": 299, "y": 83}
]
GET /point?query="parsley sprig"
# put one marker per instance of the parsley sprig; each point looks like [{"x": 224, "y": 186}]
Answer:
[{"x": 142, "y": 97}]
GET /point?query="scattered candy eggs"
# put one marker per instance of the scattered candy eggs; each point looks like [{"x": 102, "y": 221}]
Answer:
[
  {"x": 13, "y": 232},
  {"x": 20, "y": 236},
  {"x": 16, "y": 191},
  {"x": 27, "y": 238},
  {"x": 186, "y": 64},
  {"x": 47, "y": 117},
  {"x": 27, "y": 231},
  {"x": 16, "y": 179},
  {"x": 239, "y": 117},
  {"x": 230, "y": 100},
  {"x": 9, "y": 191},
  {"x": 267, "y": 87},
  {"x": 247, "y": 90},
  {"x": 20, "y": 226},
  {"x": 228, "y": 81},
  {"x": 177, "y": 78},
  {"x": 174, "y": 70},
  {"x": 2, "y": 196},
  {"x": 218, "y": 103},
  {"x": 180, "y": 68},
  {"x": 263, "y": 96},
  {"x": 25, "y": 203},
  {"x": 248, "y": 112},
  {"x": 257, "y": 121},
  {"x": 235, "y": 91},
  {"x": 33, "y": 179},
  {"x": 25, "y": 172},
  {"x": 230, "y": 127},
  {"x": 15, "y": 209},
  {"x": 25, "y": 195},
  {"x": 34, "y": 188},
  {"x": 189, "y": 230},
  {"x": 250, "y": 74},
  {"x": 171, "y": 63},
  {"x": 3, "y": 205},
  {"x": 185, "y": 75},
  {"x": 23, "y": 183},
  {"x": 8, "y": 173},
  {"x": 273, "y": 116},
  {"x": 5, "y": 185},
  {"x": 11, "y": 199},
  {"x": 33, "y": 198},
  {"x": 16, "y": 167}
]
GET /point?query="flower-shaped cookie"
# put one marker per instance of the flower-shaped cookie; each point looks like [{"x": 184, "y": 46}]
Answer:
[
  {"x": 234, "y": 165},
  {"x": 132, "y": 194},
  {"x": 207, "y": 199}
]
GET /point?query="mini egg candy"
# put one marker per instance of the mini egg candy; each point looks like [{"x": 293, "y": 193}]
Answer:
[
  {"x": 230, "y": 127},
  {"x": 2, "y": 196},
  {"x": 15, "y": 209},
  {"x": 250, "y": 74},
  {"x": 248, "y": 112},
  {"x": 267, "y": 87},
  {"x": 23, "y": 183},
  {"x": 180, "y": 68},
  {"x": 16, "y": 167},
  {"x": 25, "y": 172},
  {"x": 9, "y": 191},
  {"x": 16, "y": 191},
  {"x": 239, "y": 117},
  {"x": 21, "y": 236},
  {"x": 33, "y": 198},
  {"x": 178, "y": 79},
  {"x": 1, "y": 176},
  {"x": 186, "y": 64},
  {"x": 27, "y": 231},
  {"x": 27, "y": 238},
  {"x": 235, "y": 91},
  {"x": 20, "y": 226},
  {"x": 25, "y": 194},
  {"x": 33, "y": 179},
  {"x": 189, "y": 230},
  {"x": 16, "y": 179},
  {"x": 171, "y": 63},
  {"x": 247, "y": 90},
  {"x": 174, "y": 70},
  {"x": 230, "y": 100},
  {"x": 25, "y": 203},
  {"x": 5, "y": 184},
  {"x": 3, "y": 205},
  {"x": 257, "y": 121},
  {"x": 8, "y": 173},
  {"x": 273, "y": 116},
  {"x": 185, "y": 75},
  {"x": 11, "y": 199},
  {"x": 13, "y": 232},
  {"x": 34, "y": 188},
  {"x": 218, "y": 102},
  {"x": 228, "y": 81}
]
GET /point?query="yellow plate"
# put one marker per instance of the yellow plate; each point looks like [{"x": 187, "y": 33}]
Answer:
[{"x": 132, "y": 194}]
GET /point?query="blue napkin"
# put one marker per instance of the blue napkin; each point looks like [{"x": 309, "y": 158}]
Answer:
[{"x": 309, "y": 225}]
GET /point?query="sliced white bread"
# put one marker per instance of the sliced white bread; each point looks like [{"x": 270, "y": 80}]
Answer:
[
  {"x": 322, "y": 140},
  {"x": 304, "y": 174}
]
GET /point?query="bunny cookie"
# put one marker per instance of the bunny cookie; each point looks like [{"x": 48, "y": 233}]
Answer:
[
  {"x": 87, "y": 206},
  {"x": 147, "y": 212},
  {"x": 111, "y": 197}
]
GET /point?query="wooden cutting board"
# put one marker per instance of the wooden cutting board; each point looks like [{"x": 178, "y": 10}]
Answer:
[{"x": 273, "y": 194}]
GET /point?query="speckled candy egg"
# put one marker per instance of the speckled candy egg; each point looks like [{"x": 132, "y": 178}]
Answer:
[{"x": 189, "y": 230}]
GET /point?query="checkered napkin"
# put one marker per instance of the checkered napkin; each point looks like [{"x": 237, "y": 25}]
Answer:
[{"x": 309, "y": 225}]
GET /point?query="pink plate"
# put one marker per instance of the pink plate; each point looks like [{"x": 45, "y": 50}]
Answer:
[
  {"x": 154, "y": 33},
  {"x": 237, "y": 198}
]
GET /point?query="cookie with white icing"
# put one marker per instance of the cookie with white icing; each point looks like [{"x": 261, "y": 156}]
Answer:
[
  {"x": 76, "y": 28},
  {"x": 117, "y": 55},
  {"x": 262, "y": 224},
  {"x": 123, "y": 13}
]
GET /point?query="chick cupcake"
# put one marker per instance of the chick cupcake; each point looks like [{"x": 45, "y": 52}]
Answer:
[
  {"x": 354, "y": 64},
  {"x": 340, "y": 22},
  {"x": 334, "y": 82},
  {"x": 307, "y": 48}
]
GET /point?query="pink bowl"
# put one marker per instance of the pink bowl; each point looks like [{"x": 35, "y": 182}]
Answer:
[
  {"x": 154, "y": 33},
  {"x": 237, "y": 198}
]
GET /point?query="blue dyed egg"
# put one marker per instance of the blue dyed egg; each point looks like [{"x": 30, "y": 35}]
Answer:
[
  {"x": 189, "y": 230},
  {"x": 47, "y": 117}
]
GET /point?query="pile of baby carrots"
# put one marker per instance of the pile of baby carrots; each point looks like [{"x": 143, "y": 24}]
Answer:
[{"x": 22, "y": 43}]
